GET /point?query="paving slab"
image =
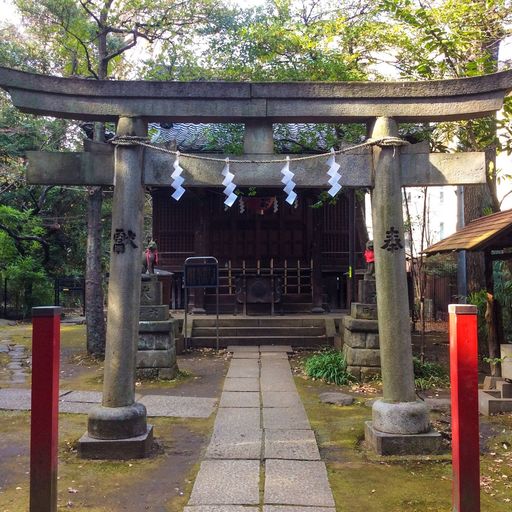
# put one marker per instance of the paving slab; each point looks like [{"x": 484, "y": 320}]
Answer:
[
  {"x": 92, "y": 397},
  {"x": 221, "y": 508},
  {"x": 276, "y": 371},
  {"x": 242, "y": 384},
  {"x": 297, "y": 482},
  {"x": 227, "y": 482},
  {"x": 75, "y": 407},
  {"x": 246, "y": 355},
  {"x": 280, "y": 508},
  {"x": 15, "y": 399},
  {"x": 276, "y": 348},
  {"x": 240, "y": 399},
  {"x": 235, "y": 445},
  {"x": 178, "y": 406},
  {"x": 237, "y": 419},
  {"x": 243, "y": 371},
  {"x": 244, "y": 363},
  {"x": 243, "y": 348},
  {"x": 280, "y": 398},
  {"x": 291, "y": 445},
  {"x": 278, "y": 384},
  {"x": 289, "y": 418},
  {"x": 265, "y": 356}
]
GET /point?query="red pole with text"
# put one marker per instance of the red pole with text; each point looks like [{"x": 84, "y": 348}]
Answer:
[
  {"x": 464, "y": 394},
  {"x": 44, "y": 408}
]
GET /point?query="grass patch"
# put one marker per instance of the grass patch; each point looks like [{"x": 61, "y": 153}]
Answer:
[
  {"x": 428, "y": 375},
  {"x": 329, "y": 366}
]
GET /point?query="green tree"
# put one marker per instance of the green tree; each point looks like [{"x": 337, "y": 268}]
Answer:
[
  {"x": 453, "y": 39},
  {"x": 92, "y": 38}
]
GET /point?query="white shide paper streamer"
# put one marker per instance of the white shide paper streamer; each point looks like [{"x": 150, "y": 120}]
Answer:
[
  {"x": 229, "y": 191},
  {"x": 335, "y": 176},
  {"x": 288, "y": 182},
  {"x": 177, "y": 179}
]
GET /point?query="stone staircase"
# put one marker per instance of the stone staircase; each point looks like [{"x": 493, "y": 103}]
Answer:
[{"x": 298, "y": 331}]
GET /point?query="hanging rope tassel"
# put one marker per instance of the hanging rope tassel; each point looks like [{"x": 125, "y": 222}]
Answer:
[
  {"x": 335, "y": 176},
  {"x": 177, "y": 179}
]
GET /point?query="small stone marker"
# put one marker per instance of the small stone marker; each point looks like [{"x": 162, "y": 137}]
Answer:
[{"x": 336, "y": 398}]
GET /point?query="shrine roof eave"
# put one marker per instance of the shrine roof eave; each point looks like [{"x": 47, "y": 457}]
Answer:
[
  {"x": 488, "y": 233},
  {"x": 107, "y": 100}
]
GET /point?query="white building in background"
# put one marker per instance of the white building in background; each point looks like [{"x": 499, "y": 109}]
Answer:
[{"x": 440, "y": 219}]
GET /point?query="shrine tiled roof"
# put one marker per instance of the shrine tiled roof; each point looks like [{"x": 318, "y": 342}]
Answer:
[
  {"x": 492, "y": 232},
  {"x": 214, "y": 137}
]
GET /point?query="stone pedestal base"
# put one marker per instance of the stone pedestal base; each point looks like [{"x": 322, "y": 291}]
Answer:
[
  {"x": 156, "y": 354},
  {"x": 361, "y": 341},
  {"x": 367, "y": 291},
  {"x": 116, "y": 449},
  {"x": 402, "y": 444}
]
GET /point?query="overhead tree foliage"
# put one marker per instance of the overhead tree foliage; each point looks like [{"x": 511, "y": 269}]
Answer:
[{"x": 91, "y": 38}]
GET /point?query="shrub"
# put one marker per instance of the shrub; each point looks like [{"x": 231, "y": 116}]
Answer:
[
  {"x": 329, "y": 366},
  {"x": 429, "y": 375}
]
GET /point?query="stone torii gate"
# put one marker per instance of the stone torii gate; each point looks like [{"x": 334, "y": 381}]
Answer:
[{"x": 386, "y": 167}]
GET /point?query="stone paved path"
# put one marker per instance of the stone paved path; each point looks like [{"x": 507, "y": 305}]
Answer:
[
  {"x": 263, "y": 455},
  {"x": 81, "y": 402}
]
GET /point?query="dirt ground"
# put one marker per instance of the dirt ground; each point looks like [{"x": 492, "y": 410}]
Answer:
[{"x": 361, "y": 481}]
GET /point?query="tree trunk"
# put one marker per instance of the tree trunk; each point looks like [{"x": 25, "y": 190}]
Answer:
[
  {"x": 94, "y": 299},
  {"x": 93, "y": 280}
]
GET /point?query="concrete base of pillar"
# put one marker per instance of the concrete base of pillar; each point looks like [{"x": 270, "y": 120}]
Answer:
[
  {"x": 198, "y": 311},
  {"x": 427, "y": 443},
  {"x": 112, "y": 423},
  {"x": 116, "y": 449},
  {"x": 403, "y": 418},
  {"x": 318, "y": 309}
]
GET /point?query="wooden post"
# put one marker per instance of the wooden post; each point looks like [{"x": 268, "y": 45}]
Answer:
[
  {"x": 464, "y": 394},
  {"x": 45, "y": 408}
]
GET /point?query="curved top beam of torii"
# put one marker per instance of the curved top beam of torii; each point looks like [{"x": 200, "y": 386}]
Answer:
[{"x": 77, "y": 98}]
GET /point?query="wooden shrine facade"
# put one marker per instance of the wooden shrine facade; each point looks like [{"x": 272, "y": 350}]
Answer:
[{"x": 262, "y": 236}]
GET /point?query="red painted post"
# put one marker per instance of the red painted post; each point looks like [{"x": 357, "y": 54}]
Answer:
[
  {"x": 45, "y": 408},
  {"x": 464, "y": 394}
]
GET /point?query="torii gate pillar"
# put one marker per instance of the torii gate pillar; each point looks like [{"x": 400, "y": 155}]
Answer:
[
  {"x": 118, "y": 428},
  {"x": 400, "y": 421}
]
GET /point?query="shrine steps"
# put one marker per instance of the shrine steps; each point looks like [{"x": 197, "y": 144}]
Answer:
[
  {"x": 297, "y": 332},
  {"x": 290, "y": 304}
]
